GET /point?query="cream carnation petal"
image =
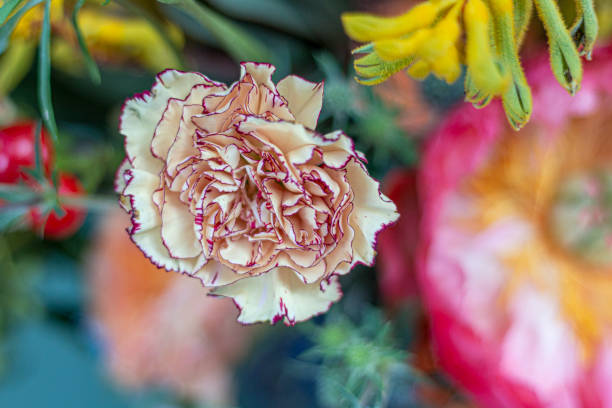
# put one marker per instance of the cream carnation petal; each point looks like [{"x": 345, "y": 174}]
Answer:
[
  {"x": 214, "y": 273},
  {"x": 139, "y": 189},
  {"x": 280, "y": 294},
  {"x": 171, "y": 118},
  {"x": 177, "y": 231},
  {"x": 304, "y": 98},
  {"x": 339, "y": 151},
  {"x": 183, "y": 145},
  {"x": 286, "y": 136},
  {"x": 150, "y": 243},
  {"x": 121, "y": 178},
  {"x": 136, "y": 124},
  {"x": 372, "y": 211},
  {"x": 261, "y": 73}
]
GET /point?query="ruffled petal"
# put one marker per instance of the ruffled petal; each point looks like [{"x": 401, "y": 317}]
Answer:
[
  {"x": 280, "y": 295},
  {"x": 371, "y": 213},
  {"x": 178, "y": 232},
  {"x": 304, "y": 98},
  {"x": 261, "y": 73},
  {"x": 136, "y": 122}
]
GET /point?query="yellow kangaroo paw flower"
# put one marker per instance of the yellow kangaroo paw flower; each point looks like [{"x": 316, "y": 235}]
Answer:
[
  {"x": 419, "y": 70},
  {"x": 517, "y": 98},
  {"x": 365, "y": 27},
  {"x": 394, "y": 49},
  {"x": 448, "y": 66},
  {"x": 373, "y": 69},
  {"x": 480, "y": 57},
  {"x": 523, "y": 10},
  {"x": 586, "y": 27},
  {"x": 564, "y": 58}
]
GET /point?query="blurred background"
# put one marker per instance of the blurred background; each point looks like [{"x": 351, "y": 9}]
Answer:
[{"x": 86, "y": 320}]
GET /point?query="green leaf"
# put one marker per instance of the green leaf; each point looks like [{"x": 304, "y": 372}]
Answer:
[
  {"x": 37, "y": 156},
  {"x": 237, "y": 42},
  {"x": 7, "y": 9},
  {"x": 11, "y": 215},
  {"x": 44, "y": 74},
  {"x": 92, "y": 67},
  {"x": 7, "y": 29}
]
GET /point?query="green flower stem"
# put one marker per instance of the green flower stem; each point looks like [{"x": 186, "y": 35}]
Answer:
[
  {"x": 22, "y": 196},
  {"x": 517, "y": 99},
  {"x": 92, "y": 67},
  {"x": 565, "y": 61},
  {"x": 44, "y": 74},
  {"x": 101, "y": 204}
]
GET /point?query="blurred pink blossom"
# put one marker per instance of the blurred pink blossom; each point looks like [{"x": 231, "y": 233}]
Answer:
[
  {"x": 397, "y": 244},
  {"x": 520, "y": 301}
]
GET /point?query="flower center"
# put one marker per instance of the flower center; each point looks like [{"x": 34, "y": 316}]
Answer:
[{"x": 581, "y": 217}]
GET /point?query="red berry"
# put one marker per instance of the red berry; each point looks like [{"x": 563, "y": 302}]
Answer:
[
  {"x": 17, "y": 151},
  {"x": 61, "y": 227}
]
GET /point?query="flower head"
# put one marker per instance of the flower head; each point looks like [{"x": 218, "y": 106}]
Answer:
[
  {"x": 155, "y": 327},
  {"x": 515, "y": 265},
  {"x": 233, "y": 186},
  {"x": 397, "y": 244},
  {"x": 438, "y": 36}
]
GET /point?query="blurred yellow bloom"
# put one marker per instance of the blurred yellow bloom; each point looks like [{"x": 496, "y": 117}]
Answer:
[
  {"x": 111, "y": 35},
  {"x": 119, "y": 39},
  {"x": 439, "y": 36},
  {"x": 28, "y": 27}
]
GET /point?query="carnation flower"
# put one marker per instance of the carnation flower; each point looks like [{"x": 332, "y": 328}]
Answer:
[
  {"x": 155, "y": 327},
  {"x": 233, "y": 185},
  {"x": 515, "y": 263}
]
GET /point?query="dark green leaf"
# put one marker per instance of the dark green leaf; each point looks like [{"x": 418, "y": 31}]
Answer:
[
  {"x": 92, "y": 68},
  {"x": 37, "y": 156},
  {"x": 7, "y": 29},
  {"x": 7, "y": 9},
  {"x": 44, "y": 74}
]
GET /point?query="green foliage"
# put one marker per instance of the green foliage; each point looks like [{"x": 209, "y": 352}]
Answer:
[
  {"x": 92, "y": 67},
  {"x": 7, "y": 28},
  {"x": 366, "y": 118},
  {"x": 7, "y": 8},
  {"x": 359, "y": 365},
  {"x": 44, "y": 74}
]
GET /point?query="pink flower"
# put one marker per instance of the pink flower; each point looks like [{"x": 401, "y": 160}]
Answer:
[
  {"x": 232, "y": 185},
  {"x": 156, "y": 327},
  {"x": 515, "y": 262},
  {"x": 397, "y": 244}
]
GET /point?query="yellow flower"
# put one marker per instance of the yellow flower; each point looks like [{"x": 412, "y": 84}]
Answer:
[
  {"x": 110, "y": 34},
  {"x": 112, "y": 37},
  {"x": 28, "y": 27},
  {"x": 439, "y": 36}
]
